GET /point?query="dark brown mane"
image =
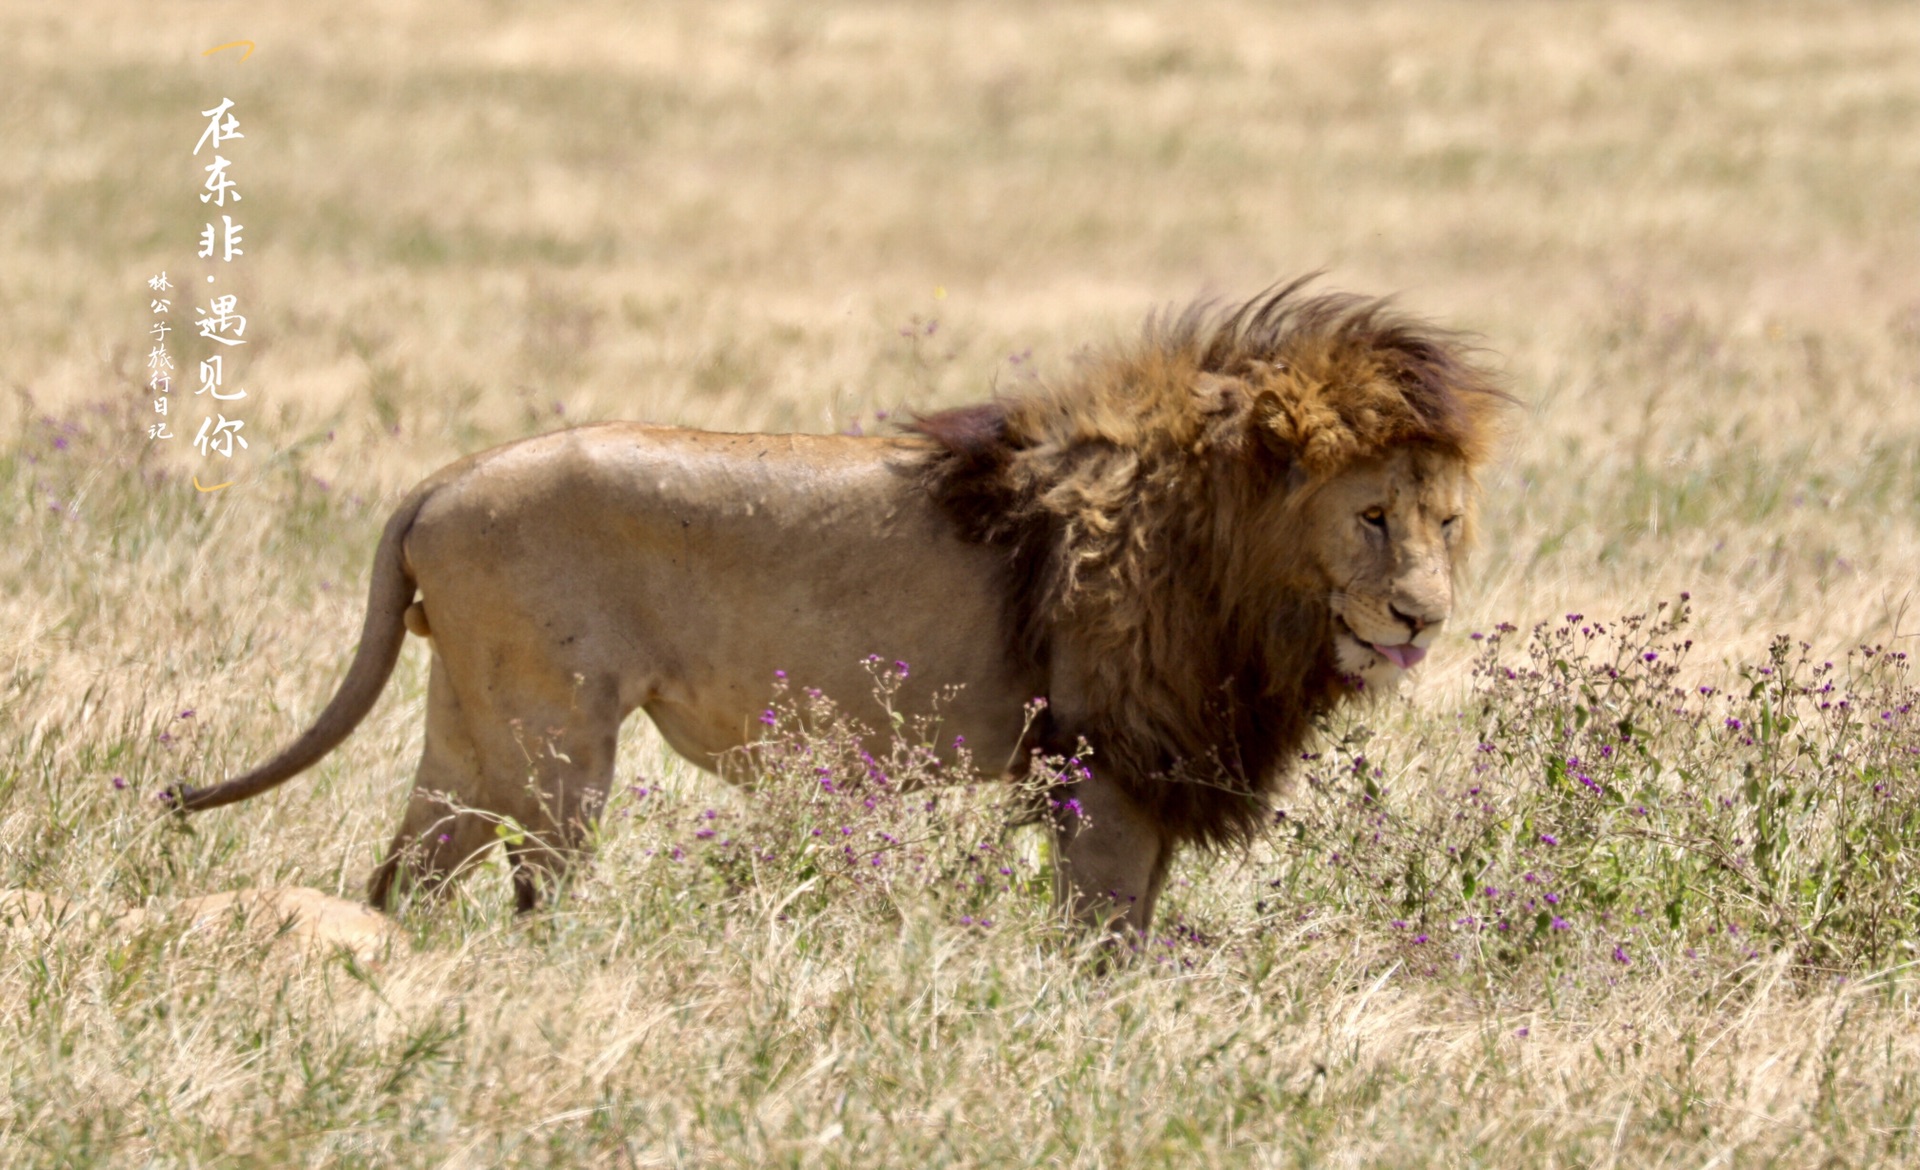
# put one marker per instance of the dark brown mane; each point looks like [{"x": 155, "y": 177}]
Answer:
[{"x": 1143, "y": 508}]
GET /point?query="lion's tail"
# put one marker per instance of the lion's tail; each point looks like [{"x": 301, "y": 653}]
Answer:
[{"x": 380, "y": 641}]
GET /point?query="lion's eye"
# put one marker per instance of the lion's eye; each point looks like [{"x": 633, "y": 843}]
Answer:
[{"x": 1376, "y": 517}]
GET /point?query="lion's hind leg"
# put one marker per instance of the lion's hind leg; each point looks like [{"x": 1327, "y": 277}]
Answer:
[
  {"x": 447, "y": 824},
  {"x": 523, "y": 755},
  {"x": 560, "y": 759},
  {"x": 436, "y": 843}
]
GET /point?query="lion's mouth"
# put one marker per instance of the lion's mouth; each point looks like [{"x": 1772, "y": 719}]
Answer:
[{"x": 1405, "y": 656}]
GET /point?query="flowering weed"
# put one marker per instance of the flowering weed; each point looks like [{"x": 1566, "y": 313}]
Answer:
[
  {"x": 838, "y": 817},
  {"x": 1597, "y": 801}
]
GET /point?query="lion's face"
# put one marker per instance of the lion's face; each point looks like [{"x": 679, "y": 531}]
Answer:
[{"x": 1385, "y": 534}]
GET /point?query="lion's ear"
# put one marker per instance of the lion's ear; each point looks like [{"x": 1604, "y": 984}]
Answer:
[
  {"x": 1275, "y": 434},
  {"x": 1252, "y": 422}
]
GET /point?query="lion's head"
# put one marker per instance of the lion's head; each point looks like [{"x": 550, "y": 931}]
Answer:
[
  {"x": 1385, "y": 536},
  {"x": 1215, "y": 534}
]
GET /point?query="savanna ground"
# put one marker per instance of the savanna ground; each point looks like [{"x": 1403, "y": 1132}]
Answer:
[{"x": 1583, "y": 895}]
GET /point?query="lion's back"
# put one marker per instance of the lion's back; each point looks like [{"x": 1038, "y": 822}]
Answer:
[{"x": 687, "y": 567}]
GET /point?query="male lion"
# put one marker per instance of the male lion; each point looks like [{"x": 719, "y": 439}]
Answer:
[{"x": 1191, "y": 548}]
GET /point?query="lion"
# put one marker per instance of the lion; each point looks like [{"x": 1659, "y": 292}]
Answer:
[
  {"x": 305, "y": 916},
  {"x": 1192, "y": 548}
]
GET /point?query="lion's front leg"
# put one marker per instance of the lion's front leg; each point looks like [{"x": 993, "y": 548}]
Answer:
[{"x": 1110, "y": 858}]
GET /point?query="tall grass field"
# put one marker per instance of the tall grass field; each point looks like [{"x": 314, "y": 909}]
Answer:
[{"x": 1627, "y": 874}]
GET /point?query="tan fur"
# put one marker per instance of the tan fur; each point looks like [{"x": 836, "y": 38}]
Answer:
[
  {"x": 570, "y": 579},
  {"x": 1168, "y": 546},
  {"x": 297, "y": 913}
]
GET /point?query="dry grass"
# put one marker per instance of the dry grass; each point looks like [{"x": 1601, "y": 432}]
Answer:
[{"x": 1688, "y": 229}]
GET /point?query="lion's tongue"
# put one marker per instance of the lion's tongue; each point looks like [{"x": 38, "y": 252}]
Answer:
[{"x": 1406, "y": 656}]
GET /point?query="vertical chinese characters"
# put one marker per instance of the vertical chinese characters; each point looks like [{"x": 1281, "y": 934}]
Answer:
[
  {"x": 220, "y": 322},
  {"x": 159, "y": 361}
]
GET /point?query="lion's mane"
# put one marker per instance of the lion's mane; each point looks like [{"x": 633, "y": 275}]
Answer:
[{"x": 1148, "y": 509}]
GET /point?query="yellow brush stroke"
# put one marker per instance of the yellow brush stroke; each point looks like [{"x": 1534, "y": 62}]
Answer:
[
  {"x": 231, "y": 45},
  {"x": 216, "y": 487}
]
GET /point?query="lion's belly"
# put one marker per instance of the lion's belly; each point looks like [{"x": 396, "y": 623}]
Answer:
[
  {"x": 842, "y": 617},
  {"x": 692, "y": 730},
  {"x": 684, "y": 573}
]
